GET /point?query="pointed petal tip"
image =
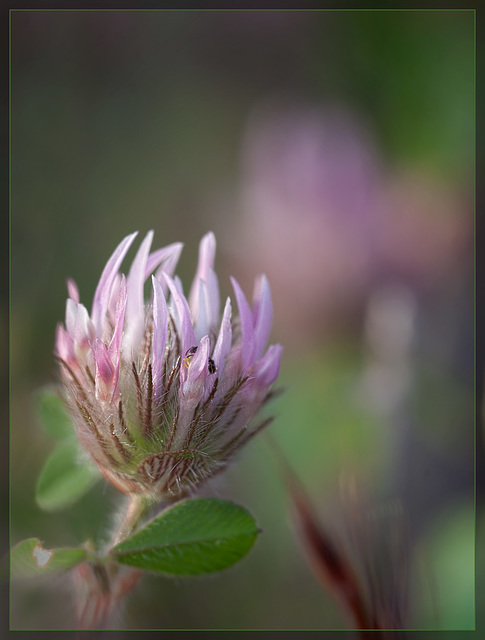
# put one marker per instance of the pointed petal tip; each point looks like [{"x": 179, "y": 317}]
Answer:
[
  {"x": 207, "y": 253},
  {"x": 72, "y": 290},
  {"x": 103, "y": 290},
  {"x": 278, "y": 348},
  {"x": 248, "y": 354},
  {"x": 270, "y": 364},
  {"x": 177, "y": 246},
  {"x": 159, "y": 296},
  {"x": 147, "y": 241},
  {"x": 209, "y": 237},
  {"x": 205, "y": 342},
  {"x": 261, "y": 287},
  {"x": 234, "y": 282},
  {"x": 127, "y": 240}
]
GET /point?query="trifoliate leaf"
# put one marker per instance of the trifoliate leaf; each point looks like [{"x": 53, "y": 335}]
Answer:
[
  {"x": 64, "y": 478},
  {"x": 191, "y": 538},
  {"x": 28, "y": 559},
  {"x": 53, "y": 415}
]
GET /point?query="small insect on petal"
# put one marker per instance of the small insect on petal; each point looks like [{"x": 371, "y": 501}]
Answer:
[
  {"x": 211, "y": 365},
  {"x": 189, "y": 354}
]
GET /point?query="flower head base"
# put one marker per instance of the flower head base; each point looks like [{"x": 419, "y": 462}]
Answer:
[{"x": 163, "y": 392}]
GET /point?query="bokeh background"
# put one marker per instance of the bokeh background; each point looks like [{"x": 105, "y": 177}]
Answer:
[{"x": 333, "y": 151}]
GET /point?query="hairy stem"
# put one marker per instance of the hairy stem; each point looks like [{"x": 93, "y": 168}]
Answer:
[
  {"x": 137, "y": 508},
  {"x": 101, "y": 583}
]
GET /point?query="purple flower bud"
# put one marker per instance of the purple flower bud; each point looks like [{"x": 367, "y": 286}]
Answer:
[{"x": 163, "y": 392}]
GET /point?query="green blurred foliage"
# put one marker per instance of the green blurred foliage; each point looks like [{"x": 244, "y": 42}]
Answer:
[
  {"x": 414, "y": 72},
  {"x": 323, "y": 426},
  {"x": 447, "y": 558},
  {"x": 53, "y": 415},
  {"x": 66, "y": 476}
]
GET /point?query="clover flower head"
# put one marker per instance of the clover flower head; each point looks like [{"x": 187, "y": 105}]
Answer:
[{"x": 163, "y": 391}]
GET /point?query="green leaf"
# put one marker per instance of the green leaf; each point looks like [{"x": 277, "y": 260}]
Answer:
[
  {"x": 28, "y": 559},
  {"x": 64, "y": 478},
  {"x": 53, "y": 414},
  {"x": 191, "y": 538}
]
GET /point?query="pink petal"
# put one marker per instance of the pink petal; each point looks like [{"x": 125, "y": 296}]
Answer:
[
  {"x": 202, "y": 322},
  {"x": 160, "y": 323},
  {"x": 247, "y": 332},
  {"x": 104, "y": 375},
  {"x": 269, "y": 365},
  {"x": 78, "y": 323},
  {"x": 71, "y": 312},
  {"x": 166, "y": 257},
  {"x": 114, "y": 348},
  {"x": 214, "y": 297},
  {"x": 72, "y": 290},
  {"x": 103, "y": 290},
  {"x": 262, "y": 314},
  {"x": 207, "y": 251},
  {"x": 224, "y": 339},
  {"x": 185, "y": 324},
  {"x": 135, "y": 305},
  {"x": 63, "y": 344},
  {"x": 113, "y": 298}
]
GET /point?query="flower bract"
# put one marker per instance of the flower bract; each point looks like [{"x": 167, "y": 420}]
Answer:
[{"x": 163, "y": 390}]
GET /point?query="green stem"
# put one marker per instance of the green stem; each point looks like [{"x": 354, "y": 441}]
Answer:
[
  {"x": 102, "y": 582},
  {"x": 137, "y": 507}
]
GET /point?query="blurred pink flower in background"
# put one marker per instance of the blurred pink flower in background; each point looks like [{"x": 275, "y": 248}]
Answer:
[
  {"x": 328, "y": 223},
  {"x": 309, "y": 194},
  {"x": 425, "y": 228}
]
